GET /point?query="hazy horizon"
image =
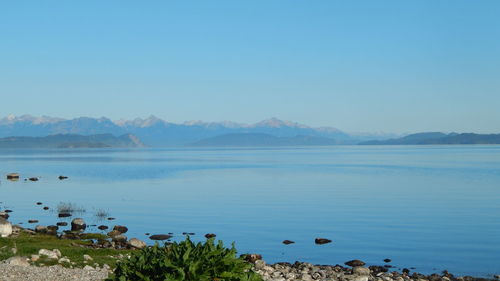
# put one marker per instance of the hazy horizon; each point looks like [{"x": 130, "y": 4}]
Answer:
[
  {"x": 230, "y": 122},
  {"x": 360, "y": 66}
]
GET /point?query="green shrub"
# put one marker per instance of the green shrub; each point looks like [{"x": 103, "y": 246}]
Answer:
[{"x": 186, "y": 261}]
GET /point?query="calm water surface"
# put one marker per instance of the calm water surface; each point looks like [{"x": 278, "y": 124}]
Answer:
[{"x": 429, "y": 207}]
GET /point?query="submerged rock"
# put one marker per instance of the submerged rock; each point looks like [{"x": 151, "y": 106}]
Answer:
[
  {"x": 210, "y": 235},
  {"x": 102, "y": 227},
  {"x": 120, "y": 228},
  {"x": 13, "y": 176},
  {"x": 288, "y": 242},
  {"x": 160, "y": 237},
  {"x": 354, "y": 263},
  {"x": 321, "y": 241}
]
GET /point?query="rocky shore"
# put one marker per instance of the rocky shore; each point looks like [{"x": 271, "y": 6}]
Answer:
[
  {"x": 357, "y": 272},
  {"x": 18, "y": 269},
  {"x": 51, "y": 264}
]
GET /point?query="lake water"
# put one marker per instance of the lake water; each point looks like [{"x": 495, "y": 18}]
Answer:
[{"x": 428, "y": 207}]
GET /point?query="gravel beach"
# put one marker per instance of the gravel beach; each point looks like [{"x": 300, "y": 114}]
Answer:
[{"x": 50, "y": 273}]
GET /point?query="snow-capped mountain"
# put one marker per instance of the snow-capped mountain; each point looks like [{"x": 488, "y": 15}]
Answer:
[{"x": 154, "y": 131}]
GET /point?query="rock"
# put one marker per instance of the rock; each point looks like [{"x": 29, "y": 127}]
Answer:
[
  {"x": 40, "y": 229},
  {"x": 17, "y": 261},
  {"x": 57, "y": 252},
  {"x": 4, "y": 215},
  {"x": 102, "y": 227},
  {"x": 64, "y": 260},
  {"x": 354, "y": 263},
  {"x": 62, "y": 223},
  {"x": 359, "y": 270},
  {"x": 387, "y": 260},
  {"x": 5, "y": 228},
  {"x": 113, "y": 233},
  {"x": 136, "y": 243},
  {"x": 259, "y": 264},
  {"x": 210, "y": 235},
  {"x": 119, "y": 238},
  {"x": 8, "y": 211},
  {"x": 78, "y": 224},
  {"x": 321, "y": 241},
  {"x": 14, "y": 250},
  {"x": 406, "y": 271},
  {"x": 13, "y": 176},
  {"x": 497, "y": 277},
  {"x": 288, "y": 242},
  {"x": 35, "y": 258},
  {"x": 252, "y": 258},
  {"x": 110, "y": 219},
  {"x": 32, "y": 221},
  {"x": 88, "y": 267},
  {"x": 120, "y": 228},
  {"x": 87, "y": 258},
  {"x": 33, "y": 179},
  {"x": 64, "y": 215},
  {"x": 63, "y": 177},
  {"x": 306, "y": 277},
  {"x": 160, "y": 237},
  {"x": 361, "y": 278},
  {"x": 39, "y": 203},
  {"x": 48, "y": 253},
  {"x": 378, "y": 269},
  {"x": 45, "y": 208}
]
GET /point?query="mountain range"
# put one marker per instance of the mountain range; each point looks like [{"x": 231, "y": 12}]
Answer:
[
  {"x": 156, "y": 132},
  {"x": 47, "y": 131},
  {"x": 439, "y": 138}
]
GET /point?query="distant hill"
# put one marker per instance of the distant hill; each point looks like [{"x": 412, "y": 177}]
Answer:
[
  {"x": 260, "y": 139},
  {"x": 71, "y": 141},
  {"x": 156, "y": 132},
  {"x": 439, "y": 138}
]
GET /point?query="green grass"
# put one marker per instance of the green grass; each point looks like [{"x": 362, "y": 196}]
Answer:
[{"x": 28, "y": 245}]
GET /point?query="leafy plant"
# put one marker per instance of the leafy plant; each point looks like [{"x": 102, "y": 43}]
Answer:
[{"x": 186, "y": 261}]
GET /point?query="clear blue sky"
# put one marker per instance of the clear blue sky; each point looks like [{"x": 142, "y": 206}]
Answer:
[{"x": 394, "y": 66}]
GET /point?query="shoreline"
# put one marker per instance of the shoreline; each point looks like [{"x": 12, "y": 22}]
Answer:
[{"x": 354, "y": 270}]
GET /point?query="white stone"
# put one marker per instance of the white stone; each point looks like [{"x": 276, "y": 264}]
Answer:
[
  {"x": 64, "y": 260},
  {"x": 87, "y": 258},
  {"x": 359, "y": 270},
  {"x": 360, "y": 278},
  {"x": 48, "y": 253},
  {"x": 88, "y": 267},
  {"x": 17, "y": 261},
  {"x": 5, "y": 228},
  {"x": 136, "y": 243},
  {"x": 57, "y": 252},
  {"x": 260, "y": 264},
  {"x": 35, "y": 258}
]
